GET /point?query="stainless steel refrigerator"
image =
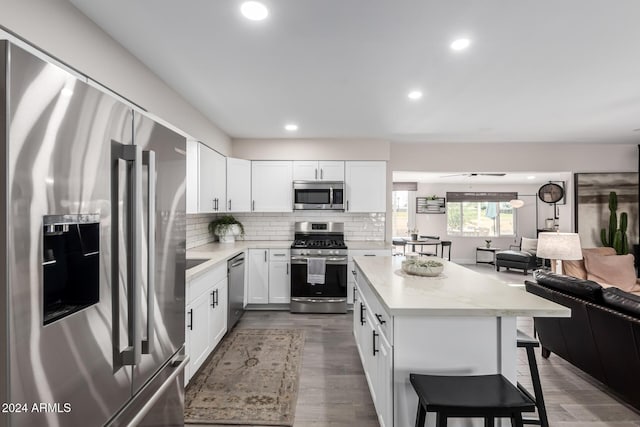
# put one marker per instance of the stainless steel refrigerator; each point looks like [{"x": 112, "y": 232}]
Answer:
[{"x": 92, "y": 225}]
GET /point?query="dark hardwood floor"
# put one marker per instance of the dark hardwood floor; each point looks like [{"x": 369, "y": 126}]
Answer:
[{"x": 333, "y": 390}]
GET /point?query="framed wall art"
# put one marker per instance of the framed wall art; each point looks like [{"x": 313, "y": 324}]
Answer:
[{"x": 592, "y": 204}]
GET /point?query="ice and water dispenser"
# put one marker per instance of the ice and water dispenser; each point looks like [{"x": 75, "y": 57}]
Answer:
[{"x": 71, "y": 264}]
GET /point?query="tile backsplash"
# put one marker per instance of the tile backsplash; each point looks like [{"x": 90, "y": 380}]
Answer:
[{"x": 279, "y": 226}]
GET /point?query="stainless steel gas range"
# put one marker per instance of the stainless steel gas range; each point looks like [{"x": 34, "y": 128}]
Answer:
[{"x": 319, "y": 268}]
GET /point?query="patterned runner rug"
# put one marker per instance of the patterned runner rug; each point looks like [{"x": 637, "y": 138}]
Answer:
[{"x": 251, "y": 379}]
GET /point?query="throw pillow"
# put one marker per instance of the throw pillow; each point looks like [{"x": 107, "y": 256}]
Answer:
[
  {"x": 529, "y": 245},
  {"x": 611, "y": 270},
  {"x": 577, "y": 269}
]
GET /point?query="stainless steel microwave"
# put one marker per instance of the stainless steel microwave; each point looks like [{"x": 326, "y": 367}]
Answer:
[{"x": 318, "y": 195}]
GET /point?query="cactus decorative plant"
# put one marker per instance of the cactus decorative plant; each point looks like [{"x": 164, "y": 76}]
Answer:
[{"x": 615, "y": 237}]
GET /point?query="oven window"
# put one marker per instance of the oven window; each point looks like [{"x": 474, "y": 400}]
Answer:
[
  {"x": 335, "y": 282},
  {"x": 312, "y": 196}
]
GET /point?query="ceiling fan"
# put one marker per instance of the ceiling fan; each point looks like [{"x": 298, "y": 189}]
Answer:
[{"x": 470, "y": 174}]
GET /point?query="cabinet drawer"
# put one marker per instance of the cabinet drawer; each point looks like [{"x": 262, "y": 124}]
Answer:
[
  {"x": 365, "y": 252},
  {"x": 279, "y": 255},
  {"x": 196, "y": 286},
  {"x": 383, "y": 320}
]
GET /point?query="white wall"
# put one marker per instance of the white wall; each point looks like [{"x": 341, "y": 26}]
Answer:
[
  {"x": 311, "y": 149},
  {"x": 516, "y": 157},
  {"x": 463, "y": 248},
  {"x": 58, "y": 28}
]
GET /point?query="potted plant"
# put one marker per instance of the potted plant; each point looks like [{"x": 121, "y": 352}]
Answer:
[
  {"x": 413, "y": 232},
  {"x": 226, "y": 227},
  {"x": 488, "y": 243}
]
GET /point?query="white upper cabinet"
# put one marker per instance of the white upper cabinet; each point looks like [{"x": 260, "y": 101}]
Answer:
[
  {"x": 238, "y": 185},
  {"x": 271, "y": 186},
  {"x": 192, "y": 176},
  {"x": 366, "y": 186},
  {"x": 213, "y": 180},
  {"x": 318, "y": 171},
  {"x": 206, "y": 179}
]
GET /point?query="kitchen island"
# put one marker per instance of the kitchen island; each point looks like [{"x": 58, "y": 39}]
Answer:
[{"x": 458, "y": 323}]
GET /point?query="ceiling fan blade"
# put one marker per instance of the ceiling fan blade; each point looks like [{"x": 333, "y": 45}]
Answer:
[{"x": 457, "y": 174}]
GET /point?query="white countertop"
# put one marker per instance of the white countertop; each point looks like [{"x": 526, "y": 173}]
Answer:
[
  {"x": 458, "y": 291},
  {"x": 368, "y": 245},
  {"x": 219, "y": 252}
]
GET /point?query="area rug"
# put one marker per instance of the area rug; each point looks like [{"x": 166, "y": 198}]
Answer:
[{"x": 252, "y": 379}]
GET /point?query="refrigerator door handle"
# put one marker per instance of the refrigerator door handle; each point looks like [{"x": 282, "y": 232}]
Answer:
[
  {"x": 178, "y": 364},
  {"x": 132, "y": 154},
  {"x": 149, "y": 160}
]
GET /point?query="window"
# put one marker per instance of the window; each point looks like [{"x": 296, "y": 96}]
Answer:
[
  {"x": 403, "y": 208},
  {"x": 480, "y": 214}
]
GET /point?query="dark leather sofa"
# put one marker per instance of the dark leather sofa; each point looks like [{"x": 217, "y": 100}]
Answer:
[{"x": 602, "y": 336}]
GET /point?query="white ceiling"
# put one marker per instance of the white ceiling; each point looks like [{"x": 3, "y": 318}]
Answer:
[
  {"x": 537, "y": 71},
  {"x": 522, "y": 178}
]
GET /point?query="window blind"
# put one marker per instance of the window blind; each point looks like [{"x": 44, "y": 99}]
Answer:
[
  {"x": 405, "y": 186},
  {"x": 481, "y": 196}
]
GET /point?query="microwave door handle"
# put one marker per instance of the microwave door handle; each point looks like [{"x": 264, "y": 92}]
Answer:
[
  {"x": 132, "y": 154},
  {"x": 149, "y": 160}
]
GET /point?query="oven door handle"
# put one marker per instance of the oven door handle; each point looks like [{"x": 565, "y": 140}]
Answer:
[{"x": 329, "y": 260}]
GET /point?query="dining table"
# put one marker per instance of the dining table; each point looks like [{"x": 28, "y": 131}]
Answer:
[{"x": 422, "y": 243}]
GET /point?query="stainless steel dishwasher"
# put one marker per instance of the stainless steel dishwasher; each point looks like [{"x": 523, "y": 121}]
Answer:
[{"x": 235, "y": 272}]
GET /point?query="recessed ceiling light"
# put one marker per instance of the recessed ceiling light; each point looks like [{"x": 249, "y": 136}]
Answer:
[
  {"x": 66, "y": 92},
  {"x": 414, "y": 94},
  {"x": 460, "y": 44},
  {"x": 291, "y": 127},
  {"x": 531, "y": 177},
  {"x": 254, "y": 10}
]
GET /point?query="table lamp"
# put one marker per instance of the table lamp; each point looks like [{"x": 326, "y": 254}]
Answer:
[{"x": 559, "y": 247}]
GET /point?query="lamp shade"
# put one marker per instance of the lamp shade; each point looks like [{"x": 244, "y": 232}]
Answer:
[
  {"x": 516, "y": 203},
  {"x": 563, "y": 246}
]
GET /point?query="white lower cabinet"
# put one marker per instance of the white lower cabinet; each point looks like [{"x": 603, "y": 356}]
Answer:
[
  {"x": 258, "y": 276},
  {"x": 373, "y": 332},
  {"x": 268, "y": 276},
  {"x": 218, "y": 312},
  {"x": 206, "y": 312},
  {"x": 350, "y": 269},
  {"x": 279, "y": 278}
]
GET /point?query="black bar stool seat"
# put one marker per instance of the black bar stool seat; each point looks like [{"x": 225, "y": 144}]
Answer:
[
  {"x": 528, "y": 343},
  {"x": 479, "y": 396}
]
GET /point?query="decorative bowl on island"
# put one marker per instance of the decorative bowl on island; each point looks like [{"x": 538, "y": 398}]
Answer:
[{"x": 422, "y": 267}]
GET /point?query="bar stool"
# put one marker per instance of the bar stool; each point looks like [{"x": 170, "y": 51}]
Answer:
[
  {"x": 480, "y": 396},
  {"x": 445, "y": 244},
  {"x": 528, "y": 343}
]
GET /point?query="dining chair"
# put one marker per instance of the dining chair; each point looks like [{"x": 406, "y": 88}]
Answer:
[{"x": 429, "y": 253}]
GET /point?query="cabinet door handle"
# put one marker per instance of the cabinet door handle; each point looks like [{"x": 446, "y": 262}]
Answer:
[
  {"x": 321, "y": 173},
  {"x": 229, "y": 204},
  {"x": 379, "y": 317},
  {"x": 265, "y": 256},
  {"x": 253, "y": 205},
  {"x": 362, "y": 309},
  {"x": 213, "y": 299},
  {"x": 216, "y": 302},
  {"x": 190, "y": 325},
  {"x": 355, "y": 294},
  {"x": 374, "y": 343},
  {"x": 347, "y": 205},
  {"x": 316, "y": 173},
  {"x": 287, "y": 269}
]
